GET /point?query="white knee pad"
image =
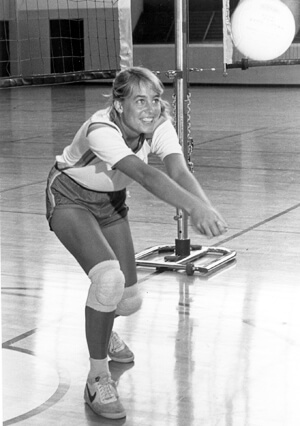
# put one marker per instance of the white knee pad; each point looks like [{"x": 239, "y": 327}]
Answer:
[
  {"x": 107, "y": 286},
  {"x": 131, "y": 301}
]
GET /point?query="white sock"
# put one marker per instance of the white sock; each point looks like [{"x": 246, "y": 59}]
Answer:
[{"x": 98, "y": 368}]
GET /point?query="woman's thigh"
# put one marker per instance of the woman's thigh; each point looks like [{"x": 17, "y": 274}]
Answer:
[
  {"x": 119, "y": 238},
  {"x": 80, "y": 233}
]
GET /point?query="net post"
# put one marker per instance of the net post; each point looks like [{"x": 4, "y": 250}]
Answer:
[
  {"x": 227, "y": 43},
  {"x": 181, "y": 83},
  {"x": 182, "y": 254},
  {"x": 125, "y": 29}
]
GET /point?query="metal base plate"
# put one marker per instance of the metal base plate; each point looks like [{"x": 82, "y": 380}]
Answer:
[{"x": 222, "y": 257}]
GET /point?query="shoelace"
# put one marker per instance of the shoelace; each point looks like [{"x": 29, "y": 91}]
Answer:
[
  {"x": 115, "y": 342},
  {"x": 106, "y": 390}
]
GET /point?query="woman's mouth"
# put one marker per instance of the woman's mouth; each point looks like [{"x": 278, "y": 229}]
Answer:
[{"x": 147, "y": 120}]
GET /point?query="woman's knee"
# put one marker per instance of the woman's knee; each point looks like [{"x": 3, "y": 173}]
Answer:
[
  {"x": 131, "y": 301},
  {"x": 107, "y": 286}
]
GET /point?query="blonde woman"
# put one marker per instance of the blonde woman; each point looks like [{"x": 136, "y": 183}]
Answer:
[{"x": 86, "y": 209}]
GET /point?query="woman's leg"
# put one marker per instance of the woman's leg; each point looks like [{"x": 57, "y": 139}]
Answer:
[
  {"x": 80, "y": 233},
  {"x": 120, "y": 240},
  {"x": 124, "y": 250},
  {"x": 131, "y": 301}
]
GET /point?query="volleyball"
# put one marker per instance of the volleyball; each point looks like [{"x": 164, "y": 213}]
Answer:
[{"x": 262, "y": 30}]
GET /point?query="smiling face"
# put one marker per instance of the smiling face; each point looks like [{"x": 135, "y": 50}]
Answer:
[{"x": 140, "y": 112}]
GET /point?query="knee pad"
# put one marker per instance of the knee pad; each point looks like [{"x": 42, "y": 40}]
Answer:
[
  {"x": 107, "y": 286},
  {"x": 131, "y": 301}
]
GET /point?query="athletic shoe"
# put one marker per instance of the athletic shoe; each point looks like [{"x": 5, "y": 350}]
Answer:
[
  {"x": 118, "y": 351},
  {"x": 102, "y": 396}
]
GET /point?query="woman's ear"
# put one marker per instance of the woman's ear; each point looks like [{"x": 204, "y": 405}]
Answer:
[{"x": 118, "y": 107}]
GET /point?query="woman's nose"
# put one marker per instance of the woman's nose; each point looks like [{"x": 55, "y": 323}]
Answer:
[{"x": 150, "y": 106}]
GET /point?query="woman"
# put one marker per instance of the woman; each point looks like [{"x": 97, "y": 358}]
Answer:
[{"x": 86, "y": 209}]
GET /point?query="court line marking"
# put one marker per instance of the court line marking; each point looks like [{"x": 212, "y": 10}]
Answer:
[
  {"x": 64, "y": 383},
  {"x": 8, "y": 343},
  {"x": 232, "y": 135},
  {"x": 257, "y": 225},
  {"x": 64, "y": 380},
  {"x": 25, "y": 185},
  {"x": 13, "y": 293},
  {"x": 270, "y": 131}
]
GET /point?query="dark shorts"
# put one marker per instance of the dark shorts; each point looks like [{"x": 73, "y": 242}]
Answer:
[{"x": 62, "y": 191}]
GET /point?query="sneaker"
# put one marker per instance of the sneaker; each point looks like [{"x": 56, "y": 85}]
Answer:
[
  {"x": 118, "y": 351},
  {"x": 102, "y": 396}
]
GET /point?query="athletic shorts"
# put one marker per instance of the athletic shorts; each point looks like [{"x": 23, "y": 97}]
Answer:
[{"x": 62, "y": 191}]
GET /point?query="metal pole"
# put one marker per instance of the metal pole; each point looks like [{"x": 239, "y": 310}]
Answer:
[
  {"x": 185, "y": 254},
  {"x": 181, "y": 51}
]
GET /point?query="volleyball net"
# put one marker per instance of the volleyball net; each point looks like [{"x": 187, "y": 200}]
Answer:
[
  {"x": 232, "y": 58},
  {"x": 60, "y": 41}
]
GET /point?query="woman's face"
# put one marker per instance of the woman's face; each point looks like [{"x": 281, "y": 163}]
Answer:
[{"x": 140, "y": 112}]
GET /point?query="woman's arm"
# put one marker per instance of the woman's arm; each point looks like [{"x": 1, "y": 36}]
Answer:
[
  {"x": 204, "y": 217},
  {"x": 178, "y": 170}
]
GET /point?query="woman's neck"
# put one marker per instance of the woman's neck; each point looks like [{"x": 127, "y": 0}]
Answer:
[{"x": 132, "y": 139}]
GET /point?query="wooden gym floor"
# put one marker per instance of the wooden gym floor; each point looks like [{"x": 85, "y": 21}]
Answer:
[{"x": 222, "y": 350}]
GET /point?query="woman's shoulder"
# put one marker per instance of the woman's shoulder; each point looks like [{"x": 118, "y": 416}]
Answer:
[
  {"x": 102, "y": 115},
  {"x": 162, "y": 123},
  {"x": 165, "y": 126},
  {"x": 164, "y": 119},
  {"x": 101, "y": 118}
]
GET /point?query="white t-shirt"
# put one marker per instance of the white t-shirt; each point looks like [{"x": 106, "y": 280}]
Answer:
[{"x": 90, "y": 158}]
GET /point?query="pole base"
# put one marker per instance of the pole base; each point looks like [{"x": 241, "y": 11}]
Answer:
[{"x": 175, "y": 262}]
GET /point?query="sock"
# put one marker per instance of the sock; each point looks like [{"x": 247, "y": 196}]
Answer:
[{"x": 98, "y": 367}]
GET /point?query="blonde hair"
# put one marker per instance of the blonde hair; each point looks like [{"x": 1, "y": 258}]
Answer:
[{"x": 130, "y": 78}]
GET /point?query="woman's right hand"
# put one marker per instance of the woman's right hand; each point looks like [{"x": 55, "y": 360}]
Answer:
[{"x": 207, "y": 221}]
